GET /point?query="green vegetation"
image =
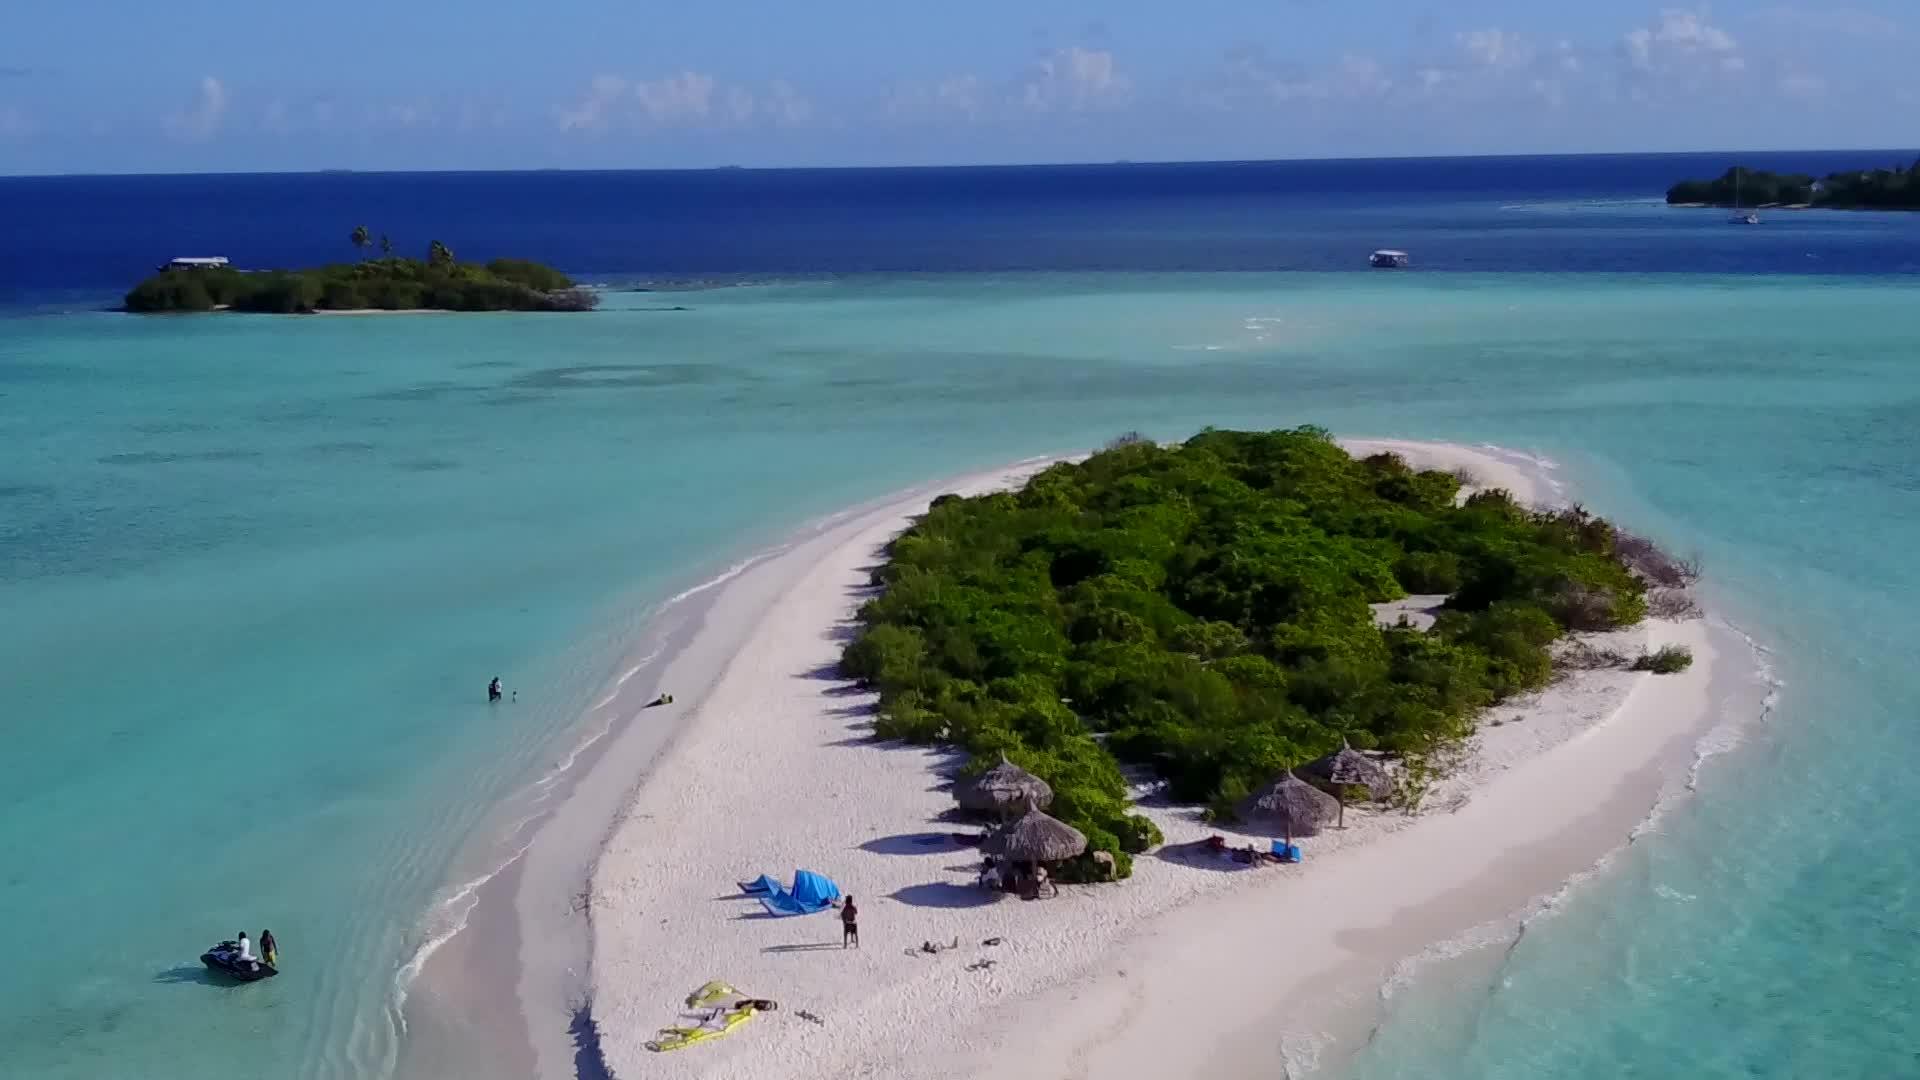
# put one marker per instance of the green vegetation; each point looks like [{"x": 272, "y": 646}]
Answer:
[
  {"x": 1202, "y": 610},
  {"x": 1666, "y": 660},
  {"x": 388, "y": 283},
  {"x": 1867, "y": 189}
]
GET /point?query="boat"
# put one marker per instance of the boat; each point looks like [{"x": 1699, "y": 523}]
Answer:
[
  {"x": 1739, "y": 217},
  {"x": 224, "y": 958},
  {"x": 198, "y": 262},
  {"x": 1389, "y": 259}
]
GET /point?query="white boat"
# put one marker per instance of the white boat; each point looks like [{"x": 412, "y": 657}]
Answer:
[
  {"x": 1739, "y": 217},
  {"x": 1389, "y": 259}
]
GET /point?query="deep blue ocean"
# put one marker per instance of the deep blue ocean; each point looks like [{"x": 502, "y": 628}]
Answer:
[
  {"x": 72, "y": 236},
  {"x": 255, "y": 571}
]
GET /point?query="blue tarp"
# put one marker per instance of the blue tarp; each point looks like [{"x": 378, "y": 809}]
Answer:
[
  {"x": 811, "y": 893},
  {"x": 761, "y": 884}
]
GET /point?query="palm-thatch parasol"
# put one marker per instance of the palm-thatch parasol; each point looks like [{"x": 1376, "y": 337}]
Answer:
[
  {"x": 1347, "y": 767},
  {"x": 1005, "y": 787},
  {"x": 1297, "y": 807},
  {"x": 1037, "y": 837}
]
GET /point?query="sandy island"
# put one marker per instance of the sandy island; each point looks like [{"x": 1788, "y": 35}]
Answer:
[{"x": 775, "y": 769}]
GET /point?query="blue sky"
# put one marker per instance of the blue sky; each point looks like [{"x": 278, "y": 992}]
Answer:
[{"x": 97, "y": 86}]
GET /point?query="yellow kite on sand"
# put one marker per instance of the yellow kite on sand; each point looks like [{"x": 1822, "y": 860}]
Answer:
[{"x": 726, "y": 1009}]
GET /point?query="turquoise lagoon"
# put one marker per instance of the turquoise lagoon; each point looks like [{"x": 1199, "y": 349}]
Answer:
[{"x": 256, "y": 573}]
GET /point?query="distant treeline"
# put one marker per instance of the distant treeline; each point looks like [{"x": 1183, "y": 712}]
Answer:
[
  {"x": 392, "y": 284},
  {"x": 1867, "y": 189}
]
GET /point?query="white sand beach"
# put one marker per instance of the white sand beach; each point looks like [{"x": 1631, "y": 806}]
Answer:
[{"x": 776, "y": 770}]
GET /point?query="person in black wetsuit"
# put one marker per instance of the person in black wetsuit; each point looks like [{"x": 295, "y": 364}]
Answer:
[{"x": 493, "y": 689}]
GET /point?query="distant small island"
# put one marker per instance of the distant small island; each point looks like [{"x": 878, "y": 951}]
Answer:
[
  {"x": 1866, "y": 189},
  {"x": 388, "y": 283}
]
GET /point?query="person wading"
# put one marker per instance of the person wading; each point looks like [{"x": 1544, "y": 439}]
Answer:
[{"x": 849, "y": 924}]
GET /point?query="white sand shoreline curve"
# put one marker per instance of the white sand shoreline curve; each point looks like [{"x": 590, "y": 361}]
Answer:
[{"x": 774, "y": 771}]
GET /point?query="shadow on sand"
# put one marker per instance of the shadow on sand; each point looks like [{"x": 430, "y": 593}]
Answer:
[
  {"x": 925, "y": 843},
  {"x": 588, "y": 1062},
  {"x": 945, "y": 894},
  {"x": 1197, "y": 856}
]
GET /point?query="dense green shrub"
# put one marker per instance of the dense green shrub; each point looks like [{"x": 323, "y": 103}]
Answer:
[
  {"x": 1893, "y": 188},
  {"x": 1201, "y": 610},
  {"x": 388, "y": 283},
  {"x": 171, "y": 292},
  {"x": 1666, "y": 660},
  {"x": 1428, "y": 571}
]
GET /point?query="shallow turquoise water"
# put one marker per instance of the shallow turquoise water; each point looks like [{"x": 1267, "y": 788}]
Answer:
[{"x": 258, "y": 571}]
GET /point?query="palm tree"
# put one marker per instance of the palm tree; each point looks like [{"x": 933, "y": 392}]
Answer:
[
  {"x": 439, "y": 254},
  {"x": 386, "y": 246},
  {"x": 361, "y": 239}
]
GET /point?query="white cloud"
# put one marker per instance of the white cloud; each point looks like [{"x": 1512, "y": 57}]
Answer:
[
  {"x": 1074, "y": 79},
  {"x": 687, "y": 99},
  {"x": 961, "y": 92},
  {"x": 740, "y": 104},
  {"x": 683, "y": 98},
  {"x": 203, "y": 117},
  {"x": 966, "y": 95},
  {"x": 1681, "y": 40},
  {"x": 1495, "y": 49},
  {"x": 785, "y": 105},
  {"x": 590, "y": 113},
  {"x": 275, "y": 118}
]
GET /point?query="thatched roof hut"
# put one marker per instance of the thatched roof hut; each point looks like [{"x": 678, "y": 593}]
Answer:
[
  {"x": 1005, "y": 788},
  {"x": 1036, "y": 837},
  {"x": 1347, "y": 767},
  {"x": 1290, "y": 805}
]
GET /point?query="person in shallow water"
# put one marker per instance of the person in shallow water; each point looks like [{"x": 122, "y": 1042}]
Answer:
[
  {"x": 269, "y": 949},
  {"x": 493, "y": 689}
]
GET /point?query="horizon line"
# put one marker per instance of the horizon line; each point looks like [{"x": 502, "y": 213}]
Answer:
[{"x": 1108, "y": 163}]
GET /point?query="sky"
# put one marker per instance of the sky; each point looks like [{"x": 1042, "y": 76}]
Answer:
[{"x": 214, "y": 85}]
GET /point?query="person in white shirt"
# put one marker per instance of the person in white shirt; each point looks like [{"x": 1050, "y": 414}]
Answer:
[{"x": 245, "y": 948}]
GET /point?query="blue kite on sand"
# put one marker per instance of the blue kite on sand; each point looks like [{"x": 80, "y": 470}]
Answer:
[
  {"x": 811, "y": 893},
  {"x": 760, "y": 886}
]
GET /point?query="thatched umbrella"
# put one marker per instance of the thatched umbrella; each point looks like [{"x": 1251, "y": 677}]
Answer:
[
  {"x": 1004, "y": 787},
  {"x": 1296, "y": 806},
  {"x": 1036, "y": 838},
  {"x": 1346, "y": 768}
]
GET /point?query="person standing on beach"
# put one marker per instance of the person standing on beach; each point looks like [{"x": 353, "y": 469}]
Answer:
[{"x": 849, "y": 924}]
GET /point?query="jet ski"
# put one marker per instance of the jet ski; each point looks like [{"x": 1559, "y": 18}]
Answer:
[{"x": 225, "y": 959}]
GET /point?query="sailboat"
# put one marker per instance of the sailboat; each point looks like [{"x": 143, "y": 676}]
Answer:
[{"x": 1747, "y": 218}]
